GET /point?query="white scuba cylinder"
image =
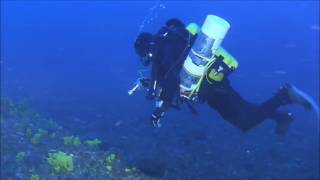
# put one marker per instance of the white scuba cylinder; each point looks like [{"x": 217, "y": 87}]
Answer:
[{"x": 210, "y": 37}]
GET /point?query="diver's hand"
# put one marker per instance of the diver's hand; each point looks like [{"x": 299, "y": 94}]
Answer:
[
  {"x": 151, "y": 94},
  {"x": 145, "y": 82},
  {"x": 156, "y": 122},
  {"x": 156, "y": 118}
]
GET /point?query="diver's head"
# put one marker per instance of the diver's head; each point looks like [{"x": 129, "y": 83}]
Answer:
[
  {"x": 142, "y": 46},
  {"x": 174, "y": 23}
]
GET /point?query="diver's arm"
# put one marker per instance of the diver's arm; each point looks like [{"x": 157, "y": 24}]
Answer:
[
  {"x": 169, "y": 91},
  {"x": 151, "y": 89},
  {"x": 158, "y": 113}
]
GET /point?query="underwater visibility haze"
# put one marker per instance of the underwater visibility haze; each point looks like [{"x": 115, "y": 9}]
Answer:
[{"x": 67, "y": 66}]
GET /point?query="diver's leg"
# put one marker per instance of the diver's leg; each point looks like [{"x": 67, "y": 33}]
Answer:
[
  {"x": 245, "y": 115},
  {"x": 232, "y": 107},
  {"x": 287, "y": 94},
  {"x": 283, "y": 120}
]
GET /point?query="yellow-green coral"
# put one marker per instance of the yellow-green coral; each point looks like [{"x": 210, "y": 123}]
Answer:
[
  {"x": 36, "y": 137},
  {"x": 60, "y": 162},
  {"x": 34, "y": 177},
  {"x": 109, "y": 167},
  {"x": 93, "y": 143},
  {"x": 72, "y": 140},
  {"x": 20, "y": 156},
  {"x": 109, "y": 160}
]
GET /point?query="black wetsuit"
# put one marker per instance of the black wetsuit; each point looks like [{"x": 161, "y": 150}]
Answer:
[
  {"x": 241, "y": 113},
  {"x": 171, "y": 49}
]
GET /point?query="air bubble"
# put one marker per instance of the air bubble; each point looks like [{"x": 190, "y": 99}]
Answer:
[{"x": 152, "y": 14}]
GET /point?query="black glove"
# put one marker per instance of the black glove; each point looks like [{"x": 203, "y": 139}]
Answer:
[
  {"x": 145, "y": 82},
  {"x": 151, "y": 94},
  {"x": 156, "y": 117}
]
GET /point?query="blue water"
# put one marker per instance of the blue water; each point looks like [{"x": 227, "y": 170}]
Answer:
[{"x": 74, "y": 61}]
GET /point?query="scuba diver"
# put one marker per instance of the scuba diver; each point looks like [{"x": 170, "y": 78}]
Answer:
[
  {"x": 189, "y": 65},
  {"x": 166, "y": 51}
]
